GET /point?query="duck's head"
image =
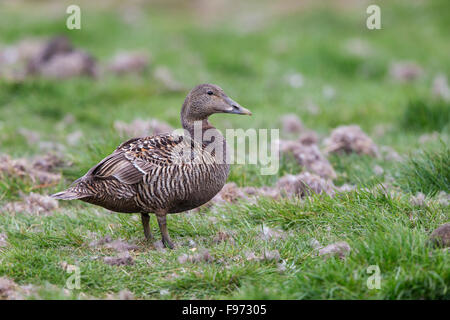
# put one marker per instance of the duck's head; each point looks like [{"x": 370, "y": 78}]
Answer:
[{"x": 207, "y": 99}]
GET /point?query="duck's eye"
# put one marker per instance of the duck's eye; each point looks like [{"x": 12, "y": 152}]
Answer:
[{"x": 210, "y": 92}]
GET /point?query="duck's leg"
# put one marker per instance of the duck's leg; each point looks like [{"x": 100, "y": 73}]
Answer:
[
  {"x": 163, "y": 228},
  {"x": 145, "y": 218}
]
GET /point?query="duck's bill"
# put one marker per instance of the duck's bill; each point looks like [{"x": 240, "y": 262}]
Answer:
[
  {"x": 240, "y": 110},
  {"x": 243, "y": 111},
  {"x": 236, "y": 108}
]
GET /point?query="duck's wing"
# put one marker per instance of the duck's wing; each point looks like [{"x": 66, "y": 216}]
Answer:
[{"x": 133, "y": 159}]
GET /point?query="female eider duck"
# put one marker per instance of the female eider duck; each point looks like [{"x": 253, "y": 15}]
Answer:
[{"x": 155, "y": 175}]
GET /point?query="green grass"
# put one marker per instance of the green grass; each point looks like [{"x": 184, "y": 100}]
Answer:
[
  {"x": 427, "y": 172},
  {"x": 250, "y": 65},
  {"x": 378, "y": 228},
  {"x": 426, "y": 116}
]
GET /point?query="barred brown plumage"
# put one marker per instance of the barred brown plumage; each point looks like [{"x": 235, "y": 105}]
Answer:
[{"x": 163, "y": 174}]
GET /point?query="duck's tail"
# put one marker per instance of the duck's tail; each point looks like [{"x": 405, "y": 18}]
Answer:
[
  {"x": 69, "y": 195},
  {"x": 75, "y": 191}
]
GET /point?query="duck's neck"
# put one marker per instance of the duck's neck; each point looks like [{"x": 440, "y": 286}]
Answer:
[
  {"x": 202, "y": 131},
  {"x": 205, "y": 133}
]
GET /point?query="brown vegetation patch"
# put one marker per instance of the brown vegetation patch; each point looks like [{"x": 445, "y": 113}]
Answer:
[
  {"x": 122, "y": 259},
  {"x": 59, "y": 59},
  {"x": 34, "y": 203},
  {"x": 291, "y": 123},
  {"x": 304, "y": 184},
  {"x": 269, "y": 234},
  {"x": 340, "y": 249},
  {"x": 117, "y": 245},
  {"x": 405, "y": 71},
  {"x": 164, "y": 76},
  {"x": 38, "y": 169},
  {"x": 223, "y": 236},
  {"x": 308, "y": 155},
  {"x": 267, "y": 255},
  {"x": 203, "y": 256},
  {"x": 3, "y": 240},
  {"x": 441, "y": 236},
  {"x": 129, "y": 62},
  {"x": 9, "y": 290},
  {"x": 440, "y": 87},
  {"x": 348, "y": 139},
  {"x": 418, "y": 200}
]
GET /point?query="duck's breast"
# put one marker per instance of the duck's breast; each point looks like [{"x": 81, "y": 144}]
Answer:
[{"x": 179, "y": 188}]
